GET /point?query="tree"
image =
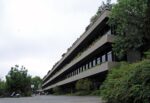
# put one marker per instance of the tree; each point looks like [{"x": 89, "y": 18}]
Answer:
[
  {"x": 2, "y": 88},
  {"x": 18, "y": 81},
  {"x": 37, "y": 82},
  {"x": 129, "y": 17}
]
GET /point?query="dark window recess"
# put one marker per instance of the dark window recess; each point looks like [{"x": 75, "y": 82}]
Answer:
[
  {"x": 81, "y": 69},
  {"x": 94, "y": 63},
  {"x": 90, "y": 64},
  {"x": 84, "y": 68},
  {"x": 87, "y": 66},
  {"x": 109, "y": 56},
  {"x": 104, "y": 58},
  {"x": 99, "y": 60}
]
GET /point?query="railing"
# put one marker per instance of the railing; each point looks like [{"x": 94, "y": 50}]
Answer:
[
  {"x": 104, "y": 14},
  {"x": 97, "y": 44},
  {"x": 95, "y": 70}
]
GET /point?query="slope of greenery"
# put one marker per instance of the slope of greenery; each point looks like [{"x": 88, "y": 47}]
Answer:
[{"x": 128, "y": 83}]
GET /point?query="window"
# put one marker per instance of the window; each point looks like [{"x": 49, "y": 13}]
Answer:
[
  {"x": 109, "y": 56},
  {"x": 99, "y": 60},
  {"x": 87, "y": 66},
  {"x": 108, "y": 32},
  {"x": 72, "y": 73},
  {"x": 81, "y": 69},
  {"x": 78, "y": 70},
  {"x": 90, "y": 64},
  {"x": 84, "y": 68},
  {"x": 104, "y": 58},
  {"x": 94, "y": 63}
]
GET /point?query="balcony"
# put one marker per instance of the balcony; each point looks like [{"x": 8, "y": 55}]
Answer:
[
  {"x": 107, "y": 38},
  {"x": 95, "y": 70},
  {"x": 83, "y": 37}
]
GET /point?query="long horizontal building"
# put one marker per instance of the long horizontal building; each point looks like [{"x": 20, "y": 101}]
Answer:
[{"x": 89, "y": 57}]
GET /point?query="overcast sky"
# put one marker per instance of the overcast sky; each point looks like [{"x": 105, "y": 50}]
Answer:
[{"x": 35, "y": 33}]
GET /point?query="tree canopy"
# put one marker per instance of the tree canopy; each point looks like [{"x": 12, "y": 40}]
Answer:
[
  {"x": 18, "y": 81},
  {"x": 131, "y": 18},
  {"x": 37, "y": 82},
  {"x": 2, "y": 87}
]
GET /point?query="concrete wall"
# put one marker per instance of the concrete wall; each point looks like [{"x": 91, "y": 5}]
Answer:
[
  {"x": 95, "y": 70},
  {"x": 88, "y": 32},
  {"x": 103, "y": 40}
]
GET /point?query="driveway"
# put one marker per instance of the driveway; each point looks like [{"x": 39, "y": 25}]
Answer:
[{"x": 53, "y": 99}]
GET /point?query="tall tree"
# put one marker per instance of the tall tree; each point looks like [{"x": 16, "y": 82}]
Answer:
[
  {"x": 18, "y": 81},
  {"x": 129, "y": 16},
  {"x": 37, "y": 82},
  {"x": 2, "y": 88}
]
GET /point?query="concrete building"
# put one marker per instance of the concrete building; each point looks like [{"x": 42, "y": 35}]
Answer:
[{"x": 89, "y": 57}]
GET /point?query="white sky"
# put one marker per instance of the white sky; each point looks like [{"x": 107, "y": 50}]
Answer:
[{"x": 35, "y": 33}]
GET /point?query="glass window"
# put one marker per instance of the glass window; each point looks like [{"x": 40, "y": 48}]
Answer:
[
  {"x": 109, "y": 56},
  {"x": 87, "y": 66},
  {"x": 104, "y": 58},
  {"x": 108, "y": 32},
  {"x": 94, "y": 63},
  {"x": 90, "y": 64},
  {"x": 77, "y": 71},
  {"x": 84, "y": 68},
  {"x": 99, "y": 60},
  {"x": 80, "y": 69}
]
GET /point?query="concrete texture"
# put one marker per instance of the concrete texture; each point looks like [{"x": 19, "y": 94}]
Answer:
[
  {"x": 53, "y": 99},
  {"x": 97, "y": 69}
]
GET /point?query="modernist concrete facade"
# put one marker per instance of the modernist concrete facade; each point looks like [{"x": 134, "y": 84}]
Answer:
[{"x": 89, "y": 57}]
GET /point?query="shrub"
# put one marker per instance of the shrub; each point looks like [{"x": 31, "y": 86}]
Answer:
[
  {"x": 82, "y": 93},
  {"x": 57, "y": 90},
  {"x": 128, "y": 83},
  {"x": 95, "y": 93},
  {"x": 3, "y": 91},
  {"x": 84, "y": 85}
]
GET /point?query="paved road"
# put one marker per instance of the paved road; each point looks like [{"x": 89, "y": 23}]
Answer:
[{"x": 52, "y": 99}]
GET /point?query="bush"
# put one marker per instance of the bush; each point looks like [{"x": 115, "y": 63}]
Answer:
[
  {"x": 57, "y": 90},
  {"x": 2, "y": 88},
  {"x": 95, "y": 93},
  {"x": 82, "y": 93},
  {"x": 128, "y": 83},
  {"x": 84, "y": 85}
]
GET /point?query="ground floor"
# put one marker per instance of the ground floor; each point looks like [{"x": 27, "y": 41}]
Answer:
[{"x": 53, "y": 99}]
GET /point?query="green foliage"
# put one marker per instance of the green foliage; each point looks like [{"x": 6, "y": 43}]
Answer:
[
  {"x": 102, "y": 8},
  {"x": 128, "y": 83},
  {"x": 18, "y": 81},
  {"x": 84, "y": 85},
  {"x": 2, "y": 88},
  {"x": 147, "y": 54},
  {"x": 95, "y": 93},
  {"x": 129, "y": 17},
  {"x": 57, "y": 90},
  {"x": 36, "y": 81},
  {"x": 82, "y": 93}
]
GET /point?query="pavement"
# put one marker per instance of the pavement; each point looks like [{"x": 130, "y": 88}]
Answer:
[{"x": 52, "y": 99}]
